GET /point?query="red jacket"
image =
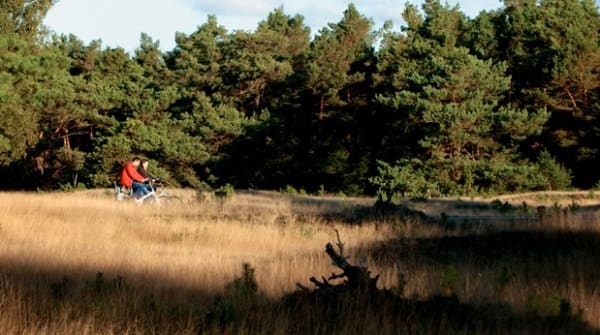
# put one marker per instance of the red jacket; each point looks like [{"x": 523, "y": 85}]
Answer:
[{"x": 129, "y": 175}]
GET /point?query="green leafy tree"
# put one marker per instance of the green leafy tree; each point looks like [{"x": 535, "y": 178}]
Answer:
[
  {"x": 45, "y": 115},
  {"x": 339, "y": 70},
  {"x": 453, "y": 104},
  {"x": 197, "y": 59},
  {"x": 264, "y": 73},
  {"x": 149, "y": 56},
  {"x": 505, "y": 101},
  {"x": 555, "y": 176},
  {"x": 400, "y": 180},
  {"x": 552, "y": 51},
  {"x": 257, "y": 62},
  {"x": 142, "y": 123},
  {"x": 18, "y": 116}
]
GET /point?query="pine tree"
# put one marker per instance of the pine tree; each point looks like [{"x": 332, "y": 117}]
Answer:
[
  {"x": 452, "y": 103},
  {"x": 339, "y": 70},
  {"x": 18, "y": 116}
]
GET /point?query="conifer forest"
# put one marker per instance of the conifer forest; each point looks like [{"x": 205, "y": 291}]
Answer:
[{"x": 447, "y": 104}]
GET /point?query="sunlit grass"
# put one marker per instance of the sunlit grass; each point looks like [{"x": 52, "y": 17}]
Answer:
[{"x": 192, "y": 245}]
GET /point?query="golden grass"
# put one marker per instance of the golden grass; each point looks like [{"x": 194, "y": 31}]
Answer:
[
  {"x": 193, "y": 245},
  {"x": 193, "y": 248},
  {"x": 188, "y": 245}
]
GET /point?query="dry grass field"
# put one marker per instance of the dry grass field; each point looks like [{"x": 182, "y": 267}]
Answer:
[
  {"x": 188, "y": 247},
  {"x": 83, "y": 263}
]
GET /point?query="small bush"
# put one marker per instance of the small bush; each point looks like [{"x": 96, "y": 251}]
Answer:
[
  {"x": 240, "y": 296},
  {"x": 243, "y": 288},
  {"x": 65, "y": 187},
  {"x": 289, "y": 189},
  {"x": 555, "y": 175},
  {"x": 503, "y": 207},
  {"x": 225, "y": 192},
  {"x": 544, "y": 305},
  {"x": 450, "y": 280},
  {"x": 400, "y": 180}
]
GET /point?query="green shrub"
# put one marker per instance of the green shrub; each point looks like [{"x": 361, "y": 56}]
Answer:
[
  {"x": 400, "y": 180},
  {"x": 544, "y": 305},
  {"x": 450, "y": 280},
  {"x": 225, "y": 192},
  {"x": 555, "y": 175},
  {"x": 341, "y": 194},
  {"x": 289, "y": 189},
  {"x": 239, "y": 297},
  {"x": 67, "y": 187}
]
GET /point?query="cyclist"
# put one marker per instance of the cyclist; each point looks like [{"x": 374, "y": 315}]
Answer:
[
  {"x": 143, "y": 171},
  {"x": 131, "y": 178}
]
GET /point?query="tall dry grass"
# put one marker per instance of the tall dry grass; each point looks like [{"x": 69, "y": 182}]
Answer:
[
  {"x": 83, "y": 263},
  {"x": 187, "y": 246}
]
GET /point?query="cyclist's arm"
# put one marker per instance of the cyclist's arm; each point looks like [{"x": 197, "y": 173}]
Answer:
[{"x": 134, "y": 174}]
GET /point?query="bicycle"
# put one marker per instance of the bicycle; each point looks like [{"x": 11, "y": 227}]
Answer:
[{"x": 158, "y": 194}]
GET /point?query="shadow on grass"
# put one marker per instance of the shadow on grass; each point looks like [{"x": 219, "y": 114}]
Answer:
[
  {"x": 539, "y": 271},
  {"x": 330, "y": 312},
  {"x": 447, "y": 213},
  {"x": 550, "y": 254},
  {"x": 41, "y": 298}
]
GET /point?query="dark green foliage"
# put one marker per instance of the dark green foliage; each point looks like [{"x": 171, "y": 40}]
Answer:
[
  {"x": 505, "y": 101},
  {"x": 555, "y": 175},
  {"x": 400, "y": 180},
  {"x": 225, "y": 192},
  {"x": 453, "y": 103},
  {"x": 553, "y": 54}
]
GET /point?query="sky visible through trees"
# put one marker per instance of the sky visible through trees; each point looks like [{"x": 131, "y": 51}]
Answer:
[{"x": 161, "y": 19}]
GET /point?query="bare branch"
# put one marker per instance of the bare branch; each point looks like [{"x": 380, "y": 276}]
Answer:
[
  {"x": 339, "y": 243},
  {"x": 336, "y": 276}
]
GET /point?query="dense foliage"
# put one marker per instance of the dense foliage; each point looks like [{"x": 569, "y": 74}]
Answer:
[{"x": 505, "y": 101}]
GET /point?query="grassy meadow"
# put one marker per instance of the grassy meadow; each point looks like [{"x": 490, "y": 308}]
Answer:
[{"x": 81, "y": 263}]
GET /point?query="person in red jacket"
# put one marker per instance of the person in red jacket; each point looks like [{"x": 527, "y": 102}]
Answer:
[{"x": 131, "y": 178}]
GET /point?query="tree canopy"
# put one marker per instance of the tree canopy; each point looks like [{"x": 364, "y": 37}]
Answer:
[{"x": 505, "y": 101}]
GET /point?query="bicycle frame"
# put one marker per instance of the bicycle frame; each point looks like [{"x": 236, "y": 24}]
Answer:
[{"x": 152, "y": 196}]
